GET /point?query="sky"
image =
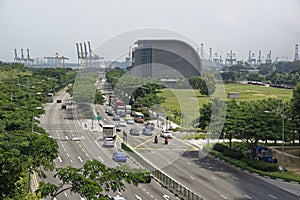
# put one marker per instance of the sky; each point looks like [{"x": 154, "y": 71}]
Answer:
[{"x": 46, "y": 27}]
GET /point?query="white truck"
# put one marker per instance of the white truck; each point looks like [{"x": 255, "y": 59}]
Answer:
[
  {"x": 109, "y": 131},
  {"x": 128, "y": 109}
]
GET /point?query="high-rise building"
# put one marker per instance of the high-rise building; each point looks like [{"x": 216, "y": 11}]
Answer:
[{"x": 167, "y": 59}]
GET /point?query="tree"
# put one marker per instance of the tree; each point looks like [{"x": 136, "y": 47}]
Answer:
[
  {"x": 295, "y": 108},
  {"x": 91, "y": 180},
  {"x": 206, "y": 84}
]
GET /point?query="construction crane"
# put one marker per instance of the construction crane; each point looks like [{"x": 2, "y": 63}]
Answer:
[{"x": 59, "y": 60}]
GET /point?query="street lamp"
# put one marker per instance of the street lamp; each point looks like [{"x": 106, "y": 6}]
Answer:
[{"x": 282, "y": 137}]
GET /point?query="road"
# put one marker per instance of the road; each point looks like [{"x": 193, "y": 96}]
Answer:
[
  {"x": 60, "y": 124},
  {"x": 208, "y": 177}
]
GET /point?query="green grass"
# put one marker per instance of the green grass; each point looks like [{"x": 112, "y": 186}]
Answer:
[
  {"x": 287, "y": 175},
  {"x": 184, "y": 99}
]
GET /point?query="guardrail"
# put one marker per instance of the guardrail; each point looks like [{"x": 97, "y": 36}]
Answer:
[{"x": 171, "y": 184}]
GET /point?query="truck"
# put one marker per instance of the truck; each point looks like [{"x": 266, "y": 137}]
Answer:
[
  {"x": 120, "y": 108},
  {"x": 111, "y": 99},
  {"x": 128, "y": 109},
  {"x": 109, "y": 131}
]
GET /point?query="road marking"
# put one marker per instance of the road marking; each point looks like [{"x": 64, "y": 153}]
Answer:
[
  {"x": 189, "y": 163},
  {"x": 100, "y": 158},
  {"x": 272, "y": 196},
  {"x": 192, "y": 178},
  {"x": 166, "y": 197},
  {"x": 144, "y": 189},
  {"x": 59, "y": 158},
  {"x": 71, "y": 160},
  {"x": 87, "y": 155},
  {"x": 195, "y": 148},
  {"x": 67, "y": 138},
  {"x": 80, "y": 158},
  {"x": 248, "y": 196},
  {"x": 83, "y": 150},
  {"x": 143, "y": 143},
  {"x": 83, "y": 137},
  {"x": 65, "y": 194},
  {"x": 68, "y": 155},
  {"x": 152, "y": 196},
  {"x": 235, "y": 178},
  {"x": 223, "y": 196},
  {"x": 213, "y": 178},
  {"x": 148, "y": 193},
  {"x": 62, "y": 145},
  {"x": 80, "y": 145},
  {"x": 138, "y": 197}
]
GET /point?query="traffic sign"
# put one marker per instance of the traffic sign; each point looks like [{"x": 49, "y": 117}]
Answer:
[{"x": 97, "y": 118}]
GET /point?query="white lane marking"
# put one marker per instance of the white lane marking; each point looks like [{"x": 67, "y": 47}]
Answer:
[
  {"x": 65, "y": 150},
  {"x": 71, "y": 160},
  {"x": 213, "y": 178},
  {"x": 87, "y": 155},
  {"x": 223, "y": 196},
  {"x": 100, "y": 158},
  {"x": 144, "y": 189},
  {"x": 59, "y": 158},
  {"x": 189, "y": 163},
  {"x": 80, "y": 146},
  {"x": 73, "y": 135},
  {"x": 67, "y": 138},
  {"x": 152, "y": 196},
  {"x": 248, "y": 196},
  {"x": 83, "y": 150},
  {"x": 192, "y": 178},
  {"x": 235, "y": 178},
  {"x": 80, "y": 158},
  {"x": 62, "y": 145},
  {"x": 272, "y": 196},
  {"x": 83, "y": 137},
  {"x": 65, "y": 194},
  {"x": 138, "y": 197},
  {"x": 68, "y": 155}
]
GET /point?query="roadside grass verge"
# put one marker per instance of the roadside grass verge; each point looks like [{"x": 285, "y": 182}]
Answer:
[{"x": 288, "y": 176}]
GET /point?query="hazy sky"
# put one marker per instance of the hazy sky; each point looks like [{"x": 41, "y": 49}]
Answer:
[{"x": 46, "y": 27}]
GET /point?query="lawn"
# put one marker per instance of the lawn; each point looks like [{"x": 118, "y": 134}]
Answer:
[{"x": 185, "y": 100}]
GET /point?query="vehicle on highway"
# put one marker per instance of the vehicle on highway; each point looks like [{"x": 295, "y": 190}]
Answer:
[
  {"x": 147, "y": 131},
  {"x": 139, "y": 117},
  {"x": 64, "y": 106},
  {"x": 76, "y": 139},
  {"x": 119, "y": 156},
  {"x": 111, "y": 112},
  {"x": 134, "y": 131},
  {"x": 58, "y": 101},
  {"x": 122, "y": 122},
  {"x": 166, "y": 134},
  {"x": 118, "y": 197},
  {"x": 50, "y": 97},
  {"x": 107, "y": 110},
  {"x": 116, "y": 117},
  {"x": 109, "y": 131},
  {"x": 130, "y": 121},
  {"x": 150, "y": 125},
  {"x": 118, "y": 128},
  {"x": 109, "y": 142}
]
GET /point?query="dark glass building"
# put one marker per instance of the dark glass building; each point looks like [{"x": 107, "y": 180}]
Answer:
[{"x": 167, "y": 59}]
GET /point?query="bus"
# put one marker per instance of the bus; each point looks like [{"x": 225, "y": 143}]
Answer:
[{"x": 139, "y": 117}]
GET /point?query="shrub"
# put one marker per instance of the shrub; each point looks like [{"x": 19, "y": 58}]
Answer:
[
  {"x": 233, "y": 154},
  {"x": 261, "y": 165},
  {"x": 220, "y": 147},
  {"x": 199, "y": 136}
]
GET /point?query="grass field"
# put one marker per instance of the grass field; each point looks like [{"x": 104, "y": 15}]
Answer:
[{"x": 185, "y": 100}]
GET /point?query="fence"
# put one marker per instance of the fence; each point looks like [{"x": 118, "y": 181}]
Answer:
[{"x": 171, "y": 184}]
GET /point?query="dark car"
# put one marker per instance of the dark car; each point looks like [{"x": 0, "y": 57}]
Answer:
[
  {"x": 147, "y": 131},
  {"x": 58, "y": 101},
  {"x": 150, "y": 125},
  {"x": 134, "y": 131},
  {"x": 64, "y": 106}
]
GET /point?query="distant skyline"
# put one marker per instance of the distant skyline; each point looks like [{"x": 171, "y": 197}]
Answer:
[{"x": 46, "y": 27}]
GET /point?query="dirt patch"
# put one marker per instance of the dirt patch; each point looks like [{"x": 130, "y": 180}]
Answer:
[{"x": 291, "y": 159}]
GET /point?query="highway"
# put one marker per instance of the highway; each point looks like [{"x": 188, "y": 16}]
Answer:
[
  {"x": 210, "y": 178},
  {"x": 61, "y": 125}
]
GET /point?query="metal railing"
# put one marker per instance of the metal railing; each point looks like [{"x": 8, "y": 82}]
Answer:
[{"x": 171, "y": 184}]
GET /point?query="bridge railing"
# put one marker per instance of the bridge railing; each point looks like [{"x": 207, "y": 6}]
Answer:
[{"x": 178, "y": 189}]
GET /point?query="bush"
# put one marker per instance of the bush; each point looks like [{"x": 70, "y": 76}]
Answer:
[
  {"x": 261, "y": 165},
  {"x": 233, "y": 154},
  {"x": 199, "y": 136},
  {"x": 220, "y": 147}
]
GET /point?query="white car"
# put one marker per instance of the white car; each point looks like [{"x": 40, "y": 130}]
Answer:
[
  {"x": 122, "y": 122},
  {"x": 109, "y": 142},
  {"x": 166, "y": 134},
  {"x": 130, "y": 121}
]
